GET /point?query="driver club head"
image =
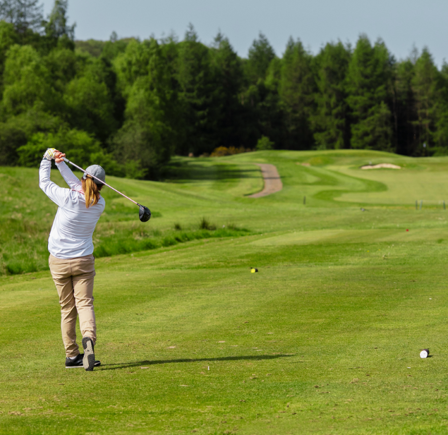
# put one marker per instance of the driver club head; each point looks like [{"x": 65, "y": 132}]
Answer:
[{"x": 144, "y": 214}]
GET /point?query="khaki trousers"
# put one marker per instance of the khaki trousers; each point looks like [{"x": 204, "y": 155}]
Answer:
[{"x": 74, "y": 281}]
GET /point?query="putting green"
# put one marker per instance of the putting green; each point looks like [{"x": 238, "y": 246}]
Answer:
[{"x": 403, "y": 186}]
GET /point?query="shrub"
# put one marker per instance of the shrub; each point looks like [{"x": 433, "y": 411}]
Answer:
[
  {"x": 264, "y": 144},
  {"x": 204, "y": 224},
  {"x": 224, "y": 151}
]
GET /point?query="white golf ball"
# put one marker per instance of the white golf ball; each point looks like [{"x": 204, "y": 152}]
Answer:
[{"x": 424, "y": 353}]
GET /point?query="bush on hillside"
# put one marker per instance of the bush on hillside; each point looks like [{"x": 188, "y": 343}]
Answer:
[
  {"x": 80, "y": 147},
  {"x": 204, "y": 224},
  {"x": 264, "y": 144},
  {"x": 224, "y": 151}
]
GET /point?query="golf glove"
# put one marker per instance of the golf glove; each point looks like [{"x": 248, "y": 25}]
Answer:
[{"x": 49, "y": 154}]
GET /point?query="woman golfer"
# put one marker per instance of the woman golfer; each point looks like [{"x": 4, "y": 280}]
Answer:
[{"x": 72, "y": 264}]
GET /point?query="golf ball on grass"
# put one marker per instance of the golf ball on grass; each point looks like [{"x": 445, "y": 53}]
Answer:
[
  {"x": 253, "y": 270},
  {"x": 424, "y": 353}
]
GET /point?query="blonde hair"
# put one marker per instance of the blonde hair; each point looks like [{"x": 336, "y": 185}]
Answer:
[{"x": 91, "y": 191}]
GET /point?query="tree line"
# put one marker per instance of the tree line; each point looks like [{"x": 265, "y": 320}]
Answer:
[{"x": 131, "y": 104}]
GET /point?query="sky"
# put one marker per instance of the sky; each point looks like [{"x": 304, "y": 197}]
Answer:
[{"x": 402, "y": 24}]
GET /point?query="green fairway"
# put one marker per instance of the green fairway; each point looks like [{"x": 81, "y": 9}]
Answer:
[{"x": 324, "y": 339}]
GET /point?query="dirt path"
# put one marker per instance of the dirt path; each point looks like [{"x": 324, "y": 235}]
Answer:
[{"x": 272, "y": 181}]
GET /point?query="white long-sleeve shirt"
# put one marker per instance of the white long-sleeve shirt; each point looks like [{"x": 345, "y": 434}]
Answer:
[{"x": 73, "y": 226}]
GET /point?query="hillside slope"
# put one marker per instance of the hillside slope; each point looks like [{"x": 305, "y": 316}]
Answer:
[{"x": 217, "y": 189}]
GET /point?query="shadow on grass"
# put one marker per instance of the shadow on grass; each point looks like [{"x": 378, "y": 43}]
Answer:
[
  {"x": 119, "y": 366},
  {"x": 192, "y": 172}
]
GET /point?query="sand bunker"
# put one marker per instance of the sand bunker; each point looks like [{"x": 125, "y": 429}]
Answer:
[{"x": 381, "y": 165}]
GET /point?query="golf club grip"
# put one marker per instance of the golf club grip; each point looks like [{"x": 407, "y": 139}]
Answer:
[{"x": 103, "y": 182}]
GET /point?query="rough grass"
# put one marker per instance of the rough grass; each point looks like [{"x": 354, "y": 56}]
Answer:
[
  {"x": 325, "y": 338},
  {"x": 26, "y": 216}
]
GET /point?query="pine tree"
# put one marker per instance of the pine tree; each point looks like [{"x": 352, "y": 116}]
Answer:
[
  {"x": 368, "y": 84},
  {"x": 441, "y": 134},
  {"x": 297, "y": 89},
  {"x": 197, "y": 95},
  {"x": 330, "y": 122},
  {"x": 228, "y": 74},
  {"x": 426, "y": 89},
  {"x": 406, "y": 131},
  {"x": 260, "y": 56},
  {"x": 57, "y": 27},
  {"x": 270, "y": 114}
]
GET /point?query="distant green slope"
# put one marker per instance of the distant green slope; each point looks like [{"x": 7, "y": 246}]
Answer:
[
  {"x": 336, "y": 175},
  {"x": 217, "y": 189}
]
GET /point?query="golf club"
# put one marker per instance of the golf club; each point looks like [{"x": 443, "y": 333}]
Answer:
[{"x": 144, "y": 214}]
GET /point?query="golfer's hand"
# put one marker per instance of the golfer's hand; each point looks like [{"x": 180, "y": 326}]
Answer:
[
  {"x": 49, "y": 154},
  {"x": 58, "y": 156}
]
